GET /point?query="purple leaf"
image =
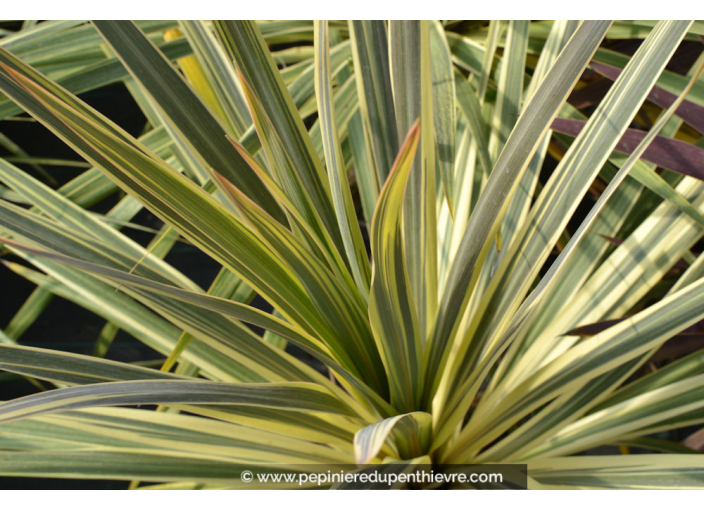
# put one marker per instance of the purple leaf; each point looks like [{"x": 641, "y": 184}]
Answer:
[
  {"x": 675, "y": 155},
  {"x": 690, "y": 112}
]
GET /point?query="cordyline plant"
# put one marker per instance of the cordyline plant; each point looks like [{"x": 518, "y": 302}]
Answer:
[{"x": 476, "y": 326}]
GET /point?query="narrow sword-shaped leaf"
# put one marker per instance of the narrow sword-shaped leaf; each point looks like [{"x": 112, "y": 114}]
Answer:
[
  {"x": 376, "y": 103},
  {"x": 573, "y": 180},
  {"x": 491, "y": 43},
  {"x": 510, "y": 86},
  {"x": 100, "y": 74},
  {"x": 678, "y": 370},
  {"x": 608, "y": 123},
  {"x": 245, "y": 45},
  {"x": 299, "y": 337},
  {"x": 391, "y": 308},
  {"x": 182, "y": 107},
  {"x": 625, "y": 418},
  {"x": 520, "y": 147},
  {"x": 352, "y": 340},
  {"x": 411, "y": 79},
  {"x": 620, "y": 472},
  {"x": 71, "y": 368},
  {"x": 129, "y": 428},
  {"x": 342, "y": 199},
  {"x": 444, "y": 117},
  {"x": 471, "y": 108},
  {"x": 289, "y": 183},
  {"x": 597, "y": 355},
  {"x": 222, "y": 74},
  {"x": 305, "y": 397},
  {"x": 188, "y": 207}
]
